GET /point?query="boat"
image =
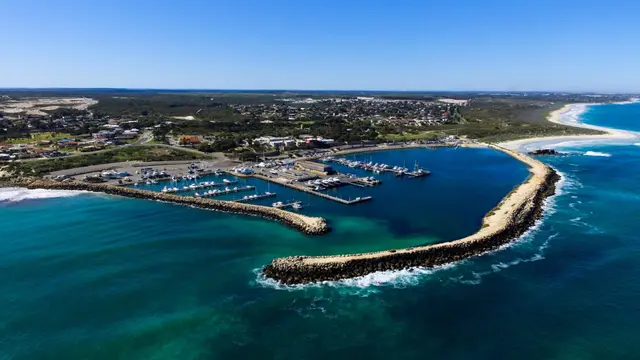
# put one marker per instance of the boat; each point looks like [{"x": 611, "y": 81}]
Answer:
[
  {"x": 297, "y": 206},
  {"x": 226, "y": 181},
  {"x": 196, "y": 194},
  {"x": 277, "y": 204}
]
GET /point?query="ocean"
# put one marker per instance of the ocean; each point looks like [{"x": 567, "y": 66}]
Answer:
[{"x": 88, "y": 276}]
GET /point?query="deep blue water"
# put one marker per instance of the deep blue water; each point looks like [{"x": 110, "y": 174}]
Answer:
[
  {"x": 98, "y": 277},
  {"x": 619, "y": 116}
]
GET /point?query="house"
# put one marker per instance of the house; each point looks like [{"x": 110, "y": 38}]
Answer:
[
  {"x": 104, "y": 134},
  {"x": 190, "y": 140},
  {"x": 67, "y": 144},
  {"x": 128, "y": 134}
]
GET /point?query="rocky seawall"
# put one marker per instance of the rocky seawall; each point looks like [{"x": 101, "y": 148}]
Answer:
[
  {"x": 518, "y": 212},
  {"x": 306, "y": 224}
]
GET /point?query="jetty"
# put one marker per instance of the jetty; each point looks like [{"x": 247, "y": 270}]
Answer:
[
  {"x": 299, "y": 187},
  {"x": 214, "y": 193},
  {"x": 513, "y": 216},
  {"x": 256, "y": 197},
  {"x": 200, "y": 186},
  {"x": 306, "y": 224}
]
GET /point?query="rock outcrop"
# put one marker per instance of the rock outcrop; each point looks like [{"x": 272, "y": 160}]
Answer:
[
  {"x": 544, "y": 152},
  {"x": 306, "y": 224}
]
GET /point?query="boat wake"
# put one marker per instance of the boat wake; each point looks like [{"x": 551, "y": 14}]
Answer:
[
  {"x": 597, "y": 153},
  {"x": 20, "y": 194}
]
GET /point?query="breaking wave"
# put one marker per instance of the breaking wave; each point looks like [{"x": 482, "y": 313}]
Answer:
[
  {"x": 20, "y": 194},
  {"x": 597, "y": 153},
  {"x": 362, "y": 285}
]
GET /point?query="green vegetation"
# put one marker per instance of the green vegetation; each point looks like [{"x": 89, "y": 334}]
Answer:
[
  {"x": 40, "y": 136},
  {"x": 495, "y": 120},
  {"x": 423, "y": 135},
  {"x": 129, "y": 153}
]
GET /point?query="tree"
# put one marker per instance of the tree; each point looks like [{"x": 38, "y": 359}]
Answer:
[
  {"x": 248, "y": 156},
  {"x": 160, "y": 133}
]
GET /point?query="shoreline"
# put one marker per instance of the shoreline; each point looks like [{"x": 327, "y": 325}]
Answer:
[
  {"x": 569, "y": 115},
  {"x": 512, "y": 217}
]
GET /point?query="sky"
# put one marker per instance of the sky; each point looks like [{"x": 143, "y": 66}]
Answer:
[{"x": 515, "y": 45}]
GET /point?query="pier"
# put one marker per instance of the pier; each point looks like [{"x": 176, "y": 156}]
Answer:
[
  {"x": 256, "y": 197},
  {"x": 307, "y": 190},
  {"x": 215, "y": 193},
  {"x": 200, "y": 186}
]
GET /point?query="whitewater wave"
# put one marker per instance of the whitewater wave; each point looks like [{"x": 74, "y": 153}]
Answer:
[
  {"x": 597, "y": 153},
  {"x": 362, "y": 285},
  {"x": 636, "y": 144},
  {"x": 20, "y": 194}
]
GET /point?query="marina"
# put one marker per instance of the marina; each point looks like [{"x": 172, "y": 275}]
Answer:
[
  {"x": 316, "y": 190},
  {"x": 255, "y": 197},
  {"x": 216, "y": 192},
  {"x": 199, "y": 186}
]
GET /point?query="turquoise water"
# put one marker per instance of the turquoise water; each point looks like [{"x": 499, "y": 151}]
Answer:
[{"x": 98, "y": 277}]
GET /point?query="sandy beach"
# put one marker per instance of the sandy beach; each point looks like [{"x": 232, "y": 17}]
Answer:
[{"x": 570, "y": 115}]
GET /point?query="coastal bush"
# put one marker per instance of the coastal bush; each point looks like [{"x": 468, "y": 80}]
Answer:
[{"x": 130, "y": 153}]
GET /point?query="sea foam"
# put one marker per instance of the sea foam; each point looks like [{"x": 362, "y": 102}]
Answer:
[
  {"x": 20, "y": 194},
  {"x": 362, "y": 285},
  {"x": 597, "y": 153}
]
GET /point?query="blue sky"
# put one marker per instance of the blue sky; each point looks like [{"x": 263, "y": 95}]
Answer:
[{"x": 322, "y": 44}]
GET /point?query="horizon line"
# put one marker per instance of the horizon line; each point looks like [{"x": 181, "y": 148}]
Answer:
[{"x": 314, "y": 90}]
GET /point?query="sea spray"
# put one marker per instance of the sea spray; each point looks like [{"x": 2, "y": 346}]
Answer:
[
  {"x": 20, "y": 194},
  {"x": 597, "y": 153},
  {"x": 362, "y": 285}
]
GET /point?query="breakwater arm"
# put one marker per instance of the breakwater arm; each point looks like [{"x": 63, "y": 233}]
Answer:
[
  {"x": 306, "y": 224},
  {"x": 515, "y": 214}
]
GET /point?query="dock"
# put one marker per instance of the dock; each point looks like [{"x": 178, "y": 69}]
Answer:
[
  {"x": 225, "y": 192},
  {"x": 256, "y": 197},
  {"x": 304, "y": 188},
  {"x": 200, "y": 186}
]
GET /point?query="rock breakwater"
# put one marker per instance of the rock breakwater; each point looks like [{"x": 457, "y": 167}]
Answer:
[
  {"x": 306, "y": 224},
  {"x": 517, "y": 212}
]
